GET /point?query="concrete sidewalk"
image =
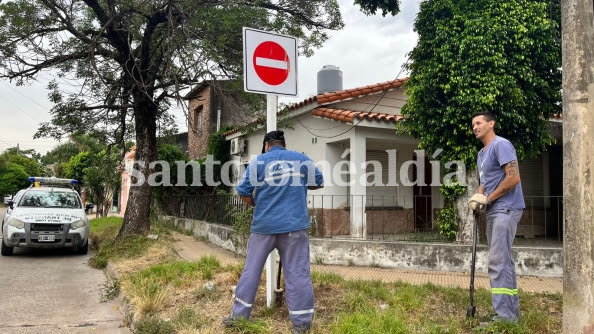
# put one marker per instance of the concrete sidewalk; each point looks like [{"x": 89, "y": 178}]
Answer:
[{"x": 191, "y": 249}]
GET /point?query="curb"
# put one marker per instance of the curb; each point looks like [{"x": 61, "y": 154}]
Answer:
[{"x": 113, "y": 277}]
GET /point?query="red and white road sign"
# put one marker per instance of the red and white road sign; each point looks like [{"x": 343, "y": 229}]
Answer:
[{"x": 270, "y": 63}]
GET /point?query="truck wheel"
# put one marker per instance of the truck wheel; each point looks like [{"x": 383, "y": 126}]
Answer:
[
  {"x": 84, "y": 249},
  {"x": 6, "y": 251}
]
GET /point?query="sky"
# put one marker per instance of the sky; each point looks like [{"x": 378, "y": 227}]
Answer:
[{"x": 369, "y": 50}]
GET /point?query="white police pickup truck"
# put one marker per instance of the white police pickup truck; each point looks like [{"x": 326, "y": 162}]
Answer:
[{"x": 48, "y": 214}]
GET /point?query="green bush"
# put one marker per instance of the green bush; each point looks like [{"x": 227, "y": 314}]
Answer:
[
  {"x": 447, "y": 218},
  {"x": 447, "y": 222},
  {"x": 152, "y": 325}
]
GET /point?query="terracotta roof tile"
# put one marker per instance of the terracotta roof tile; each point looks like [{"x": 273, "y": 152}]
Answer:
[
  {"x": 348, "y": 116},
  {"x": 360, "y": 91},
  {"x": 343, "y": 115}
]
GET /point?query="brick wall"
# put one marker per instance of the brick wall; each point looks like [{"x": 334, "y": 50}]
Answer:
[
  {"x": 209, "y": 99},
  {"x": 336, "y": 222},
  {"x": 390, "y": 221},
  {"x": 198, "y": 137}
]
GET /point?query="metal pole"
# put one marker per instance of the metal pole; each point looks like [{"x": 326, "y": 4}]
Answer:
[{"x": 271, "y": 108}]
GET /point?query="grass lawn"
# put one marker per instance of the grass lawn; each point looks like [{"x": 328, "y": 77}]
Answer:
[{"x": 169, "y": 295}]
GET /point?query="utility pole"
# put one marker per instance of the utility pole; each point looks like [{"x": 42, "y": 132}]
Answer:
[{"x": 578, "y": 165}]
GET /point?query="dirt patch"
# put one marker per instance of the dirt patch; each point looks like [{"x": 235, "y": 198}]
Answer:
[
  {"x": 192, "y": 249},
  {"x": 158, "y": 253}
]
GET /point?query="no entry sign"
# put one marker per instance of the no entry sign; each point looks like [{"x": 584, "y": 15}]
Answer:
[{"x": 269, "y": 63}]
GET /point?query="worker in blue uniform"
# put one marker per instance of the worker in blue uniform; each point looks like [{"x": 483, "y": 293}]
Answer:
[
  {"x": 500, "y": 193},
  {"x": 276, "y": 184}
]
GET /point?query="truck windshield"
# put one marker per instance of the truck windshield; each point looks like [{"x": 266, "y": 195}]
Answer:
[{"x": 51, "y": 200}]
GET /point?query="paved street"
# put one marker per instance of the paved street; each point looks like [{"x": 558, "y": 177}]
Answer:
[{"x": 54, "y": 291}]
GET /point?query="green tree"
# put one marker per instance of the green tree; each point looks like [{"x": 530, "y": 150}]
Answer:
[
  {"x": 499, "y": 56},
  {"x": 219, "y": 148},
  {"x": 27, "y": 159},
  {"x": 133, "y": 57},
  {"x": 370, "y": 7},
  {"x": 103, "y": 178},
  {"x": 30, "y": 165},
  {"x": 171, "y": 154},
  {"x": 13, "y": 177},
  {"x": 74, "y": 168},
  {"x": 60, "y": 155}
]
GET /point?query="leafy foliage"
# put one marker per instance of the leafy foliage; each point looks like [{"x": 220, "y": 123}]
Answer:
[
  {"x": 13, "y": 178},
  {"x": 499, "y": 56},
  {"x": 28, "y": 159},
  {"x": 16, "y": 166},
  {"x": 172, "y": 154},
  {"x": 99, "y": 172},
  {"x": 132, "y": 58},
  {"x": 370, "y": 7},
  {"x": 60, "y": 155},
  {"x": 102, "y": 177},
  {"x": 153, "y": 325},
  {"x": 242, "y": 224},
  {"x": 74, "y": 168},
  {"x": 219, "y": 148},
  {"x": 448, "y": 216}
]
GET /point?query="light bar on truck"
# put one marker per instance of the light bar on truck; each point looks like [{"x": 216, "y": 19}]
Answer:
[{"x": 51, "y": 180}]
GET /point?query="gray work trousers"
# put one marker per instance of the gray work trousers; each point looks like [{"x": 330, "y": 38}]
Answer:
[
  {"x": 501, "y": 231},
  {"x": 293, "y": 249}
]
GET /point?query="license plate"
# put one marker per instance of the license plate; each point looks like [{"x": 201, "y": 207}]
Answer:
[{"x": 46, "y": 237}]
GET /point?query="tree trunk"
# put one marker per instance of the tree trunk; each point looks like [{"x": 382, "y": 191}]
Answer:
[
  {"x": 578, "y": 162},
  {"x": 106, "y": 206},
  {"x": 138, "y": 208}
]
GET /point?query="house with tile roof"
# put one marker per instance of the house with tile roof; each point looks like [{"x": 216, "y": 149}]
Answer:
[
  {"x": 378, "y": 182},
  {"x": 350, "y": 135}
]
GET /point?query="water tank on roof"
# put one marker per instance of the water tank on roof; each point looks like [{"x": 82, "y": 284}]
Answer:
[{"x": 329, "y": 79}]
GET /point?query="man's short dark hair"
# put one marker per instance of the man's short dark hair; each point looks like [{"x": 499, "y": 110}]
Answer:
[
  {"x": 273, "y": 138},
  {"x": 487, "y": 115}
]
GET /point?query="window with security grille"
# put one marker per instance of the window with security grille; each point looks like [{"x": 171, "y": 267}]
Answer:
[{"x": 198, "y": 119}]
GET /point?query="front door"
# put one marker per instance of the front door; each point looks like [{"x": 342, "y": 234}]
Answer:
[{"x": 422, "y": 198}]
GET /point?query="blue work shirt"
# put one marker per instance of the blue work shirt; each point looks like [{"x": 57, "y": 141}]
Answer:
[
  {"x": 490, "y": 162},
  {"x": 278, "y": 180}
]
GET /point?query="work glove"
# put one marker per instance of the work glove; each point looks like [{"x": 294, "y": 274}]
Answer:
[{"x": 478, "y": 202}]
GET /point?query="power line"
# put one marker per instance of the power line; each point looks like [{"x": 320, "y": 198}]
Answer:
[
  {"x": 18, "y": 108},
  {"x": 25, "y": 96}
]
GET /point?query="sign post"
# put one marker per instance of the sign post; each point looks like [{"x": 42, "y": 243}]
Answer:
[
  {"x": 269, "y": 63},
  {"x": 269, "y": 67}
]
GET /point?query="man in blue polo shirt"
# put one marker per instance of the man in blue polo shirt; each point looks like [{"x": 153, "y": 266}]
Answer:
[
  {"x": 500, "y": 192},
  {"x": 276, "y": 184}
]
